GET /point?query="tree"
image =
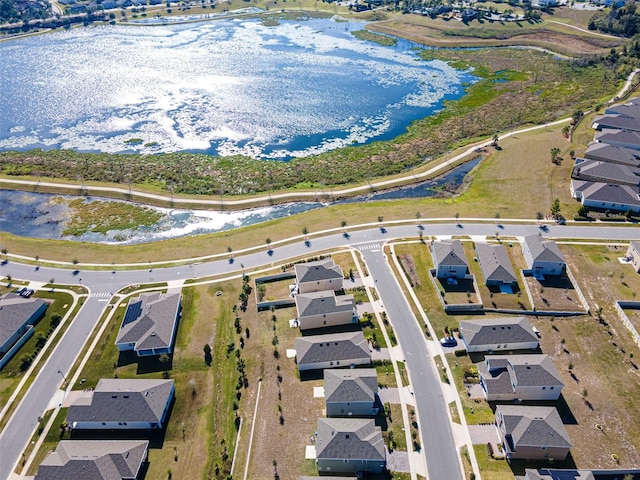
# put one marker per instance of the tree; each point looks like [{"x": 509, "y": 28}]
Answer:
[
  {"x": 4, "y": 252},
  {"x": 539, "y": 216},
  {"x": 343, "y": 225},
  {"x": 555, "y": 151},
  {"x": 555, "y": 207},
  {"x": 418, "y": 217},
  {"x": 583, "y": 211},
  {"x": 495, "y": 139},
  {"x": 268, "y": 242},
  {"x": 305, "y": 231}
]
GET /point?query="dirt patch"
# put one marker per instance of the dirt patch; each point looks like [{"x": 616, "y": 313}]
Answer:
[
  {"x": 409, "y": 267},
  {"x": 554, "y": 293}
]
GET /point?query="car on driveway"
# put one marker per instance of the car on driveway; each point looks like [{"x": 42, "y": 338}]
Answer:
[{"x": 448, "y": 342}]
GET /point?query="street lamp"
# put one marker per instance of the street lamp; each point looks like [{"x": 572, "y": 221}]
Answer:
[{"x": 63, "y": 377}]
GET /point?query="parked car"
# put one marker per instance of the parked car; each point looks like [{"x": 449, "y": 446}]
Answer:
[
  {"x": 448, "y": 342},
  {"x": 27, "y": 292}
]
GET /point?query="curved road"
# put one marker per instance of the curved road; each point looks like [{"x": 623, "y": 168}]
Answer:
[{"x": 22, "y": 424}]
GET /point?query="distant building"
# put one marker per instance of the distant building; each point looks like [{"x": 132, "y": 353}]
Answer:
[
  {"x": 150, "y": 323},
  {"x": 449, "y": 259},
  {"x": 532, "y": 433},
  {"x": 543, "y": 257},
  {"x": 617, "y": 122},
  {"x": 495, "y": 264},
  {"x": 318, "y": 276},
  {"x": 498, "y": 334},
  {"x": 123, "y": 404},
  {"x": 519, "y": 377},
  {"x": 619, "y": 138},
  {"x": 612, "y": 154},
  {"x": 95, "y": 460},
  {"x": 345, "y": 445},
  {"x": 325, "y": 309},
  {"x": 351, "y": 392},
  {"x": 17, "y": 317},
  {"x": 606, "y": 172},
  {"x": 318, "y": 352}
]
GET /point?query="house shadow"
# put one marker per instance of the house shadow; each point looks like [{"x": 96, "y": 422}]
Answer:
[
  {"x": 309, "y": 375},
  {"x": 150, "y": 364},
  {"x": 350, "y": 327},
  {"x": 518, "y": 467}
]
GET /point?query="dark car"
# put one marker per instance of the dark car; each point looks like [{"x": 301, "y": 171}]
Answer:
[{"x": 448, "y": 342}]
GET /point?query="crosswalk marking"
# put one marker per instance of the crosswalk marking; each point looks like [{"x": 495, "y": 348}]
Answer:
[
  {"x": 100, "y": 295},
  {"x": 369, "y": 246}
]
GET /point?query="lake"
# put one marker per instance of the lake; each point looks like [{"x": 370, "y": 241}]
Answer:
[{"x": 224, "y": 87}]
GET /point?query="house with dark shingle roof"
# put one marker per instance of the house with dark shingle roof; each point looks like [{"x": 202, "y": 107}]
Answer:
[
  {"x": 351, "y": 392},
  {"x": 606, "y": 196},
  {"x": 95, "y": 460},
  {"x": 633, "y": 255},
  {"x": 556, "y": 474},
  {"x": 495, "y": 264},
  {"x": 605, "y": 172},
  {"x": 449, "y": 259},
  {"x": 613, "y": 154},
  {"x": 629, "y": 109},
  {"x": 532, "y": 433},
  {"x": 618, "y": 122},
  {"x": 543, "y": 256},
  {"x": 346, "y": 445},
  {"x": 519, "y": 377},
  {"x": 619, "y": 138},
  {"x": 149, "y": 324},
  {"x": 123, "y": 404},
  {"x": 498, "y": 334},
  {"x": 317, "y": 352},
  {"x": 17, "y": 317},
  {"x": 318, "y": 276},
  {"x": 325, "y": 309}
]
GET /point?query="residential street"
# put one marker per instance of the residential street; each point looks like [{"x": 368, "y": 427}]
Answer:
[{"x": 101, "y": 283}]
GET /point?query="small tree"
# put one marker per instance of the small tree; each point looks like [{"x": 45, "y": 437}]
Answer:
[
  {"x": 268, "y": 242},
  {"x": 555, "y": 207},
  {"x": 343, "y": 225},
  {"x": 164, "y": 361},
  {"x": 305, "y": 232},
  {"x": 539, "y": 216}
]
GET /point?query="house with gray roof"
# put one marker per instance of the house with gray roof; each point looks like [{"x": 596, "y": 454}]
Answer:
[
  {"x": 618, "y": 122},
  {"x": 495, "y": 264},
  {"x": 633, "y": 255},
  {"x": 150, "y": 323},
  {"x": 606, "y": 196},
  {"x": 605, "y": 172},
  {"x": 613, "y": 154},
  {"x": 95, "y": 460},
  {"x": 498, "y": 334},
  {"x": 630, "y": 109},
  {"x": 351, "y": 392},
  {"x": 325, "y": 309},
  {"x": 18, "y": 315},
  {"x": 317, "y": 352},
  {"x": 556, "y": 474},
  {"x": 345, "y": 445},
  {"x": 449, "y": 259},
  {"x": 123, "y": 404},
  {"x": 519, "y": 377},
  {"x": 543, "y": 256},
  {"x": 532, "y": 433},
  {"x": 620, "y": 138},
  {"x": 318, "y": 276}
]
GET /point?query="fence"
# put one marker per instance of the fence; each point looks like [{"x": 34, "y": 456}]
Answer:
[{"x": 620, "y": 304}]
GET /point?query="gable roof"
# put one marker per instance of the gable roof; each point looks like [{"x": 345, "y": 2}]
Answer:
[
  {"x": 495, "y": 263},
  {"x": 534, "y": 426},
  {"x": 123, "y": 400},
  {"x": 608, "y": 193},
  {"x": 635, "y": 246},
  {"x": 600, "y": 171},
  {"x": 352, "y": 385},
  {"x": 14, "y": 312},
  {"x": 511, "y": 330},
  {"x": 349, "y": 438},
  {"x": 449, "y": 252},
  {"x": 614, "y": 121},
  {"x": 331, "y": 347},
  {"x": 519, "y": 370},
  {"x": 94, "y": 460},
  {"x": 630, "y": 109},
  {"x": 612, "y": 153},
  {"x": 616, "y": 137},
  {"x": 318, "y": 303},
  {"x": 543, "y": 250},
  {"x": 150, "y": 320},
  {"x": 317, "y": 271}
]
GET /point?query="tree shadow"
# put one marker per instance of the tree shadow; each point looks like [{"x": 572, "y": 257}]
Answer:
[
  {"x": 307, "y": 243},
  {"x": 270, "y": 252},
  {"x": 346, "y": 235}
]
